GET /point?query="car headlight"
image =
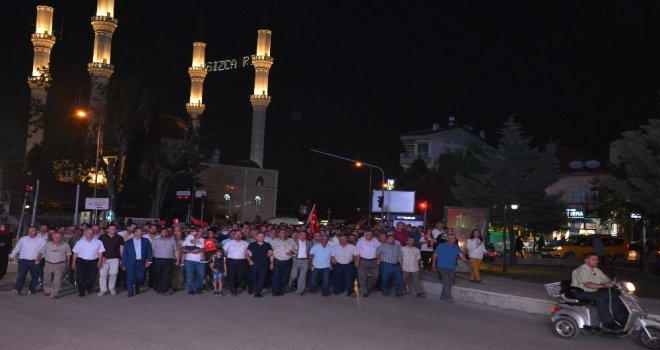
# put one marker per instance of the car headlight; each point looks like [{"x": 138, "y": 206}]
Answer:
[
  {"x": 558, "y": 248},
  {"x": 629, "y": 286}
]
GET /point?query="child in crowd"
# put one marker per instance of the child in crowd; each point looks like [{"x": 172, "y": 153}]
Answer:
[{"x": 219, "y": 267}]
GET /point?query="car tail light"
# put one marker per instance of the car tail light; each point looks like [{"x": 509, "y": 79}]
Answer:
[{"x": 554, "y": 309}]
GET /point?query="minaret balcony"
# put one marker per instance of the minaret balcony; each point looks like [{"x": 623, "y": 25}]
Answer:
[
  {"x": 263, "y": 62},
  {"x": 197, "y": 72},
  {"x": 43, "y": 40},
  {"x": 195, "y": 108},
  {"x": 104, "y": 24},
  {"x": 100, "y": 69},
  {"x": 105, "y": 19}
]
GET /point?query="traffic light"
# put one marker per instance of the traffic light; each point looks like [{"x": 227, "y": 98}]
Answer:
[
  {"x": 423, "y": 205},
  {"x": 380, "y": 201}
]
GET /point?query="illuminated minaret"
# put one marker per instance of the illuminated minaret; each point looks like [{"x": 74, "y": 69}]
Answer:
[
  {"x": 197, "y": 73},
  {"x": 43, "y": 41},
  {"x": 100, "y": 70},
  {"x": 260, "y": 99}
]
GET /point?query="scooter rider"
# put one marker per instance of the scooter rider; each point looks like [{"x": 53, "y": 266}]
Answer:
[{"x": 595, "y": 284}]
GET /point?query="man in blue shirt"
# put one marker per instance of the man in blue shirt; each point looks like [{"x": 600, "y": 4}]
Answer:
[
  {"x": 444, "y": 258},
  {"x": 320, "y": 264}
]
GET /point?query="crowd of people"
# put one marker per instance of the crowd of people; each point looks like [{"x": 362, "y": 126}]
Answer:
[{"x": 231, "y": 258}]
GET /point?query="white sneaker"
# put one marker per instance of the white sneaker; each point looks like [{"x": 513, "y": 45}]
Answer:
[
  {"x": 101, "y": 293},
  {"x": 15, "y": 292},
  {"x": 113, "y": 292}
]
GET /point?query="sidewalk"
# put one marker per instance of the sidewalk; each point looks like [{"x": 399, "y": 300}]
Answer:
[
  {"x": 508, "y": 293},
  {"x": 494, "y": 291}
]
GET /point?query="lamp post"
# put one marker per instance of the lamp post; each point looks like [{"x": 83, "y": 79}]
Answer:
[
  {"x": 83, "y": 114},
  {"x": 356, "y": 162},
  {"x": 504, "y": 234}
]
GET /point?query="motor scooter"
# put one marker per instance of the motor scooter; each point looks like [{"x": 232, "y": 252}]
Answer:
[{"x": 571, "y": 317}]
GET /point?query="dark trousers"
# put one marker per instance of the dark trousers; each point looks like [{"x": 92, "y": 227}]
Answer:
[
  {"x": 235, "y": 273},
  {"x": 162, "y": 269},
  {"x": 281, "y": 272},
  {"x": 4, "y": 261},
  {"x": 86, "y": 271},
  {"x": 391, "y": 271},
  {"x": 343, "y": 278},
  {"x": 324, "y": 274},
  {"x": 426, "y": 259},
  {"x": 135, "y": 276},
  {"x": 602, "y": 301},
  {"x": 23, "y": 267},
  {"x": 258, "y": 277}
]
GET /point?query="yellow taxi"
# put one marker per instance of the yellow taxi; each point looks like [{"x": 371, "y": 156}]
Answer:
[{"x": 577, "y": 247}]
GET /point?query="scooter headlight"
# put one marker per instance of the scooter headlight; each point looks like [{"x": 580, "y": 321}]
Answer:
[{"x": 629, "y": 286}]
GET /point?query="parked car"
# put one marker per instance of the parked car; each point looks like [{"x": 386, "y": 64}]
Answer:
[{"x": 577, "y": 247}]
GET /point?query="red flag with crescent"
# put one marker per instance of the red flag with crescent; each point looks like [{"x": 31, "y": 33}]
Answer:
[{"x": 313, "y": 221}]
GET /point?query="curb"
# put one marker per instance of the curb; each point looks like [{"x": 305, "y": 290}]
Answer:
[{"x": 499, "y": 300}]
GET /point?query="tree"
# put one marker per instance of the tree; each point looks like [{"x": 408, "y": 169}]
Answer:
[
  {"x": 515, "y": 173},
  {"x": 129, "y": 105},
  {"x": 635, "y": 184}
]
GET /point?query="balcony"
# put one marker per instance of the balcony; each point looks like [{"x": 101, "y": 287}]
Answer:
[{"x": 405, "y": 159}]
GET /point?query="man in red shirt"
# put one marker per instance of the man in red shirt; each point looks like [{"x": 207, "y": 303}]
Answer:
[{"x": 400, "y": 233}]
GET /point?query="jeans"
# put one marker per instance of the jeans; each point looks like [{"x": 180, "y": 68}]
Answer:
[
  {"x": 258, "y": 277},
  {"x": 23, "y": 267},
  {"x": 281, "y": 272},
  {"x": 325, "y": 281},
  {"x": 194, "y": 276},
  {"x": 344, "y": 276},
  {"x": 447, "y": 282},
  {"x": 391, "y": 271}
]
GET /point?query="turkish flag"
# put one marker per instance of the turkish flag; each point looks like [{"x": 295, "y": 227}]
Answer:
[
  {"x": 198, "y": 222},
  {"x": 313, "y": 221}
]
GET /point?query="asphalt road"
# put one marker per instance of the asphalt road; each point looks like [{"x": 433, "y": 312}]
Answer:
[{"x": 309, "y": 322}]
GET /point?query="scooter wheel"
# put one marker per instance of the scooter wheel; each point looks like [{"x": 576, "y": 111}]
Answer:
[
  {"x": 565, "y": 327},
  {"x": 653, "y": 341}
]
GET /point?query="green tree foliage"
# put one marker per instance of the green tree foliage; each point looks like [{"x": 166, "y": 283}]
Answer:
[
  {"x": 635, "y": 185},
  {"x": 515, "y": 173},
  {"x": 434, "y": 185}
]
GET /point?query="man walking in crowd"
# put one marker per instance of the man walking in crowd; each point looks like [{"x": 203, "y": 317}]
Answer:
[
  {"x": 28, "y": 248},
  {"x": 114, "y": 246},
  {"x": 260, "y": 258},
  {"x": 5, "y": 248},
  {"x": 235, "y": 251},
  {"x": 137, "y": 257},
  {"x": 56, "y": 254},
  {"x": 176, "y": 278},
  {"x": 88, "y": 256},
  {"x": 344, "y": 259},
  {"x": 444, "y": 258},
  {"x": 410, "y": 264},
  {"x": 366, "y": 262},
  {"x": 320, "y": 264},
  {"x": 193, "y": 247},
  {"x": 166, "y": 255},
  {"x": 283, "y": 250},
  {"x": 400, "y": 233},
  {"x": 300, "y": 264},
  {"x": 388, "y": 257}
]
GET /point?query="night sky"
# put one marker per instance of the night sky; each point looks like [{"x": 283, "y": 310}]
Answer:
[{"x": 351, "y": 76}]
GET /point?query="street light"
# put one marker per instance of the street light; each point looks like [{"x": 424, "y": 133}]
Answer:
[
  {"x": 83, "y": 114},
  {"x": 504, "y": 234},
  {"x": 228, "y": 199},
  {"x": 356, "y": 162}
]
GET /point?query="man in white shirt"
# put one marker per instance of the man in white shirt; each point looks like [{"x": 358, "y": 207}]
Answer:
[
  {"x": 88, "y": 256},
  {"x": 283, "y": 251},
  {"x": 344, "y": 259},
  {"x": 365, "y": 262},
  {"x": 28, "y": 248},
  {"x": 237, "y": 264},
  {"x": 193, "y": 247},
  {"x": 300, "y": 264}
]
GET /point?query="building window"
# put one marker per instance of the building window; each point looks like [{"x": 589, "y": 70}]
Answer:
[
  {"x": 260, "y": 181},
  {"x": 257, "y": 200},
  {"x": 422, "y": 149},
  {"x": 579, "y": 194}
]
